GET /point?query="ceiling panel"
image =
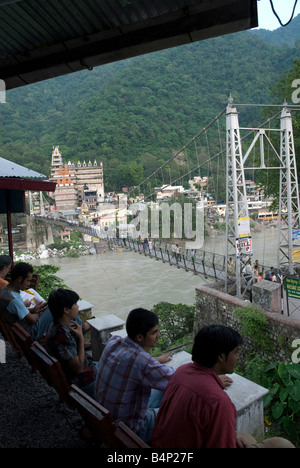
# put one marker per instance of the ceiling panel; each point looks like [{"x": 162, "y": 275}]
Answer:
[{"x": 44, "y": 39}]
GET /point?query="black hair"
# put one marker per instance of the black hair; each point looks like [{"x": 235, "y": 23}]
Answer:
[
  {"x": 5, "y": 261},
  {"x": 212, "y": 341},
  {"x": 59, "y": 299},
  {"x": 140, "y": 321},
  {"x": 20, "y": 269}
]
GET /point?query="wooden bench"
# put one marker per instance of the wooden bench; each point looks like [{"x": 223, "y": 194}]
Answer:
[
  {"x": 24, "y": 340},
  {"x": 8, "y": 335},
  {"x": 98, "y": 419},
  {"x": 40, "y": 360},
  {"x": 100, "y": 423},
  {"x": 51, "y": 370},
  {"x": 128, "y": 438}
]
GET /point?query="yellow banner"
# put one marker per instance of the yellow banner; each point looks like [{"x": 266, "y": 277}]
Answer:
[{"x": 296, "y": 255}]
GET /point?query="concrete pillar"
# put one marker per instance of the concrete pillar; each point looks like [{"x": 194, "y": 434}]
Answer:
[
  {"x": 101, "y": 328},
  {"x": 267, "y": 295}
]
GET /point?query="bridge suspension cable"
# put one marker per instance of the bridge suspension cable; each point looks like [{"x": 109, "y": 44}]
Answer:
[
  {"x": 179, "y": 151},
  {"x": 207, "y": 161}
]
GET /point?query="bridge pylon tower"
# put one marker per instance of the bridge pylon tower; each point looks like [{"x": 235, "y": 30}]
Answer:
[
  {"x": 289, "y": 207},
  {"x": 238, "y": 236}
]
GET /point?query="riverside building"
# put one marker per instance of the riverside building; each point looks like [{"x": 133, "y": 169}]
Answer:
[{"x": 78, "y": 185}]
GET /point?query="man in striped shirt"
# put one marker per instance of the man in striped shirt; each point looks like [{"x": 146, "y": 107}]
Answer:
[{"x": 130, "y": 382}]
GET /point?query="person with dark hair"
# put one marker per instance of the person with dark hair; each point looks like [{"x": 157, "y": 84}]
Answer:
[
  {"x": 36, "y": 320},
  {"x": 65, "y": 340},
  {"x": 130, "y": 382},
  {"x": 5, "y": 265},
  {"x": 195, "y": 411}
]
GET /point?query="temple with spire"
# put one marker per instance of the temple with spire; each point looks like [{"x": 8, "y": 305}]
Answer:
[{"x": 78, "y": 185}]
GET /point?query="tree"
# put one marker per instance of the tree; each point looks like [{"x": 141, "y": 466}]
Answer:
[{"x": 176, "y": 323}]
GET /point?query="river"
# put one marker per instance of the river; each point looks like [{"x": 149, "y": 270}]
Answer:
[
  {"x": 115, "y": 283},
  {"x": 264, "y": 245}
]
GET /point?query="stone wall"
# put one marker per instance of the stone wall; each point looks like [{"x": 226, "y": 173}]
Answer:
[{"x": 216, "y": 307}]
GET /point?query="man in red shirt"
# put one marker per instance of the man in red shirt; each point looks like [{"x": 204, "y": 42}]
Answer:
[{"x": 195, "y": 411}]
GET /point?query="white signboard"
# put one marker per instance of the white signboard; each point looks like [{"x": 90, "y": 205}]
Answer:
[
  {"x": 244, "y": 227},
  {"x": 244, "y": 245}
]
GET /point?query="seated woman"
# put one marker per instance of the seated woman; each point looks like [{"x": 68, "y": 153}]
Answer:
[{"x": 65, "y": 340}]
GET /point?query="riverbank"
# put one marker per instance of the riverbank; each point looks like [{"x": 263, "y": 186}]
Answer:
[{"x": 30, "y": 412}]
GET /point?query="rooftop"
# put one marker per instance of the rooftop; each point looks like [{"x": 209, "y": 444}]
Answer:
[{"x": 41, "y": 40}]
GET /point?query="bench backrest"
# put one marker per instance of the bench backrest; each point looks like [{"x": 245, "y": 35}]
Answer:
[
  {"x": 9, "y": 336},
  {"x": 24, "y": 340},
  {"x": 97, "y": 418},
  {"x": 128, "y": 438},
  {"x": 51, "y": 370}
]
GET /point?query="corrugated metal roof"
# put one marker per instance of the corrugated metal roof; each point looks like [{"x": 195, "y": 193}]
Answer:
[
  {"x": 10, "y": 169},
  {"x": 41, "y": 39}
]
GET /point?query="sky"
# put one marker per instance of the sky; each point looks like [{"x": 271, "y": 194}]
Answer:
[{"x": 284, "y": 9}]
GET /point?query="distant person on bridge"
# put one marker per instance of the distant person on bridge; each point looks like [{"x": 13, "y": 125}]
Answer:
[
  {"x": 192, "y": 255},
  {"x": 178, "y": 253},
  {"x": 268, "y": 276},
  {"x": 150, "y": 245},
  {"x": 130, "y": 382},
  {"x": 256, "y": 270},
  {"x": 145, "y": 244},
  {"x": 273, "y": 275},
  {"x": 230, "y": 266},
  {"x": 260, "y": 276},
  {"x": 173, "y": 250}
]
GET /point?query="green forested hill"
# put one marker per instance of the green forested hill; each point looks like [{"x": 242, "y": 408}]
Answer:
[
  {"x": 281, "y": 36},
  {"x": 132, "y": 114}
]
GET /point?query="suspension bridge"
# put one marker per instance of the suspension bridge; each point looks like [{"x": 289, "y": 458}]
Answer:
[{"x": 226, "y": 162}]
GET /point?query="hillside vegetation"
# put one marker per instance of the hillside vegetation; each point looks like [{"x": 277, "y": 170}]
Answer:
[{"x": 132, "y": 115}]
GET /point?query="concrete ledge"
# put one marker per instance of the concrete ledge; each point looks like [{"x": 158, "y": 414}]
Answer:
[
  {"x": 247, "y": 397},
  {"x": 107, "y": 322},
  {"x": 122, "y": 333},
  {"x": 222, "y": 296}
]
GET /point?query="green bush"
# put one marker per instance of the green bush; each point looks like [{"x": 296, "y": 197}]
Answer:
[
  {"x": 72, "y": 253},
  {"x": 283, "y": 400},
  {"x": 48, "y": 279},
  {"x": 176, "y": 323},
  {"x": 255, "y": 326}
]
